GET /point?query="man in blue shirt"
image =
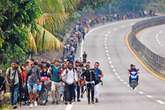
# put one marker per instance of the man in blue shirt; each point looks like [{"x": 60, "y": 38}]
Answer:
[{"x": 98, "y": 80}]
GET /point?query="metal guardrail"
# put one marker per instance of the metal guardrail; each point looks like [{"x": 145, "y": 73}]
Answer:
[{"x": 153, "y": 60}]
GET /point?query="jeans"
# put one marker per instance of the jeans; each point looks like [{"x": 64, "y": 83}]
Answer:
[
  {"x": 14, "y": 94},
  {"x": 69, "y": 92}
]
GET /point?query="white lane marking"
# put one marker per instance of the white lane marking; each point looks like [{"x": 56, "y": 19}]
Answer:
[
  {"x": 121, "y": 80},
  {"x": 118, "y": 77},
  {"x": 109, "y": 58},
  {"x": 116, "y": 74},
  {"x": 125, "y": 83},
  {"x": 149, "y": 96},
  {"x": 107, "y": 51},
  {"x": 141, "y": 92},
  {"x": 112, "y": 66},
  {"x": 114, "y": 70},
  {"x": 160, "y": 102},
  {"x": 106, "y": 48},
  {"x": 107, "y": 55},
  {"x": 157, "y": 38},
  {"x": 106, "y": 35},
  {"x": 69, "y": 107},
  {"x": 109, "y": 32},
  {"x": 160, "y": 32},
  {"x": 110, "y": 62},
  {"x": 132, "y": 24},
  {"x": 105, "y": 38}
]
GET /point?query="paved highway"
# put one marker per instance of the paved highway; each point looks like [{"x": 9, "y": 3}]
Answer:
[
  {"x": 154, "y": 39},
  {"x": 107, "y": 45}
]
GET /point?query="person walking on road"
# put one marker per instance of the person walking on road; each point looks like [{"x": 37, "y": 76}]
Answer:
[
  {"x": 55, "y": 79},
  {"x": 89, "y": 76},
  {"x": 13, "y": 76},
  {"x": 98, "y": 81},
  {"x": 69, "y": 77},
  {"x": 33, "y": 81},
  {"x": 84, "y": 57}
]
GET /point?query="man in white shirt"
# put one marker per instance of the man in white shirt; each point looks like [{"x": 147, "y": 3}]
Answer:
[{"x": 69, "y": 77}]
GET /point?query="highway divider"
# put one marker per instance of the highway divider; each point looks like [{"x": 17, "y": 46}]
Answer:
[{"x": 149, "y": 58}]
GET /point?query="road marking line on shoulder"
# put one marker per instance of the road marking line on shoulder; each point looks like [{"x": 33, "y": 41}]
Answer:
[
  {"x": 141, "y": 92},
  {"x": 160, "y": 102},
  {"x": 69, "y": 107},
  {"x": 149, "y": 96},
  {"x": 109, "y": 58},
  {"x": 110, "y": 62}
]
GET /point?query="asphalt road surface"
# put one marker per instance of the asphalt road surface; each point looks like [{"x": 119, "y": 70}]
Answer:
[{"x": 106, "y": 44}]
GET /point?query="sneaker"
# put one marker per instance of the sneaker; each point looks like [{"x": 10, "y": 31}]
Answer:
[
  {"x": 15, "y": 106},
  {"x": 31, "y": 105},
  {"x": 96, "y": 100},
  {"x": 78, "y": 100},
  {"x": 35, "y": 104},
  {"x": 53, "y": 102}
]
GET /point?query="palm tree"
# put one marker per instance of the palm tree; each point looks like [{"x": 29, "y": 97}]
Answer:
[{"x": 54, "y": 15}]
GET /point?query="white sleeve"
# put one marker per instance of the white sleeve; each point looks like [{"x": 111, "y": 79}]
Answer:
[{"x": 76, "y": 76}]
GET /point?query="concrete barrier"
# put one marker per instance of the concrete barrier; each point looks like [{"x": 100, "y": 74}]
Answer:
[{"x": 156, "y": 62}]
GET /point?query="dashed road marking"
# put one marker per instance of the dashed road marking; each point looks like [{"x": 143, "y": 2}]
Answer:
[
  {"x": 107, "y": 55},
  {"x": 125, "y": 83},
  {"x": 109, "y": 32},
  {"x": 114, "y": 70},
  {"x": 107, "y": 51},
  {"x": 141, "y": 92},
  {"x": 160, "y": 102},
  {"x": 112, "y": 66},
  {"x": 109, "y": 58},
  {"x": 149, "y": 96},
  {"x": 106, "y": 35}
]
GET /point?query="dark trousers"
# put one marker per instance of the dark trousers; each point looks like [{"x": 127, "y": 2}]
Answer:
[
  {"x": 90, "y": 92},
  {"x": 78, "y": 91},
  {"x": 69, "y": 92}
]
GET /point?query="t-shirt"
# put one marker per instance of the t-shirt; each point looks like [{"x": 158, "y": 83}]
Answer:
[
  {"x": 13, "y": 75},
  {"x": 55, "y": 74},
  {"x": 33, "y": 75}
]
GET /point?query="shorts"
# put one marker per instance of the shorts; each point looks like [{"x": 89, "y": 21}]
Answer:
[
  {"x": 32, "y": 88},
  {"x": 55, "y": 86}
]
